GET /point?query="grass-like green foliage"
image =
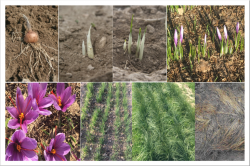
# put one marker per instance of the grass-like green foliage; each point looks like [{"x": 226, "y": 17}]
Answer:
[
  {"x": 90, "y": 133},
  {"x": 142, "y": 45},
  {"x": 117, "y": 122},
  {"x": 163, "y": 123},
  {"x": 89, "y": 94},
  {"x": 98, "y": 152},
  {"x": 191, "y": 86},
  {"x": 138, "y": 44},
  {"x": 127, "y": 121},
  {"x": 100, "y": 93}
]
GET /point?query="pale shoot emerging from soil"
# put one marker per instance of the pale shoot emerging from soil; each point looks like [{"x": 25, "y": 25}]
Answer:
[
  {"x": 138, "y": 43},
  {"x": 130, "y": 36},
  {"x": 221, "y": 41},
  {"x": 83, "y": 49},
  {"x": 89, "y": 46},
  {"x": 142, "y": 45},
  {"x": 237, "y": 36},
  {"x": 205, "y": 46},
  {"x": 226, "y": 40},
  {"x": 124, "y": 45}
]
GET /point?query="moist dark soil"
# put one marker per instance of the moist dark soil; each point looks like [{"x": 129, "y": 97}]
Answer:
[
  {"x": 227, "y": 68},
  {"x": 154, "y": 54},
  {"x": 43, "y": 128},
  {"x": 44, "y": 21},
  {"x": 219, "y": 121},
  {"x": 75, "y": 22}
]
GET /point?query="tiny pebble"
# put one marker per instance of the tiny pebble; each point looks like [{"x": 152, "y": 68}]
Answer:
[
  {"x": 150, "y": 29},
  {"x": 90, "y": 67},
  {"x": 69, "y": 75}
]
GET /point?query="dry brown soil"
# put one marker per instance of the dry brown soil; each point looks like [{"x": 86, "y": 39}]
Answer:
[
  {"x": 44, "y": 21},
  {"x": 154, "y": 54},
  {"x": 74, "y": 23},
  {"x": 43, "y": 128}
]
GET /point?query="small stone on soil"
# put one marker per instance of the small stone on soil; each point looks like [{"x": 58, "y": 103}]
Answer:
[
  {"x": 102, "y": 42},
  {"x": 150, "y": 29},
  {"x": 69, "y": 75},
  {"x": 90, "y": 67}
]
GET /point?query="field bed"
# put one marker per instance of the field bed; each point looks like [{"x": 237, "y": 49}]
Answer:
[
  {"x": 106, "y": 122},
  {"x": 163, "y": 122},
  {"x": 43, "y": 128},
  {"x": 198, "y": 21},
  {"x": 219, "y": 122},
  {"x": 127, "y": 67}
]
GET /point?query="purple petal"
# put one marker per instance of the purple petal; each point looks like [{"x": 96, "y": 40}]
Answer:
[
  {"x": 30, "y": 117},
  {"x": 43, "y": 86},
  {"x": 7, "y": 158},
  {"x": 28, "y": 153},
  {"x": 45, "y": 102},
  {"x": 60, "y": 137},
  {"x": 24, "y": 127},
  {"x": 13, "y": 124},
  {"x": 20, "y": 104},
  {"x": 17, "y": 156},
  {"x": 18, "y": 136},
  {"x": 63, "y": 149},
  {"x": 42, "y": 111},
  {"x": 175, "y": 37},
  {"x": 237, "y": 27},
  {"x": 66, "y": 94},
  {"x": 27, "y": 105},
  {"x": 205, "y": 40},
  {"x": 69, "y": 102},
  {"x": 10, "y": 149},
  {"x": 35, "y": 158},
  {"x": 218, "y": 32},
  {"x": 13, "y": 112},
  {"x": 60, "y": 88},
  {"x": 51, "y": 145},
  {"x": 34, "y": 105},
  {"x": 59, "y": 157},
  {"x": 181, "y": 34},
  {"x": 57, "y": 107},
  {"x": 18, "y": 92},
  {"x": 28, "y": 143},
  {"x": 45, "y": 155}
]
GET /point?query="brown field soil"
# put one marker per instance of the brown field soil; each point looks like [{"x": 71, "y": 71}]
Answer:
[
  {"x": 44, "y": 21},
  {"x": 108, "y": 153},
  {"x": 74, "y": 22},
  {"x": 154, "y": 54},
  {"x": 43, "y": 128},
  {"x": 219, "y": 121},
  {"x": 227, "y": 68}
]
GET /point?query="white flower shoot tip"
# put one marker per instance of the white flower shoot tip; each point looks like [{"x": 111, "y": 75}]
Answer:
[
  {"x": 124, "y": 45},
  {"x": 83, "y": 49},
  {"x": 142, "y": 45},
  {"x": 89, "y": 46}
]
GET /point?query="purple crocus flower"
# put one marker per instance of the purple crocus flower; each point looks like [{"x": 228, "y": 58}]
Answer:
[
  {"x": 21, "y": 112},
  {"x": 37, "y": 92},
  {"x": 181, "y": 34},
  {"x": 57, "y": 149},
  {"x": 62, "y": 99},
  {"x": 218, "y": 32},
  {"x": 225, "y": 32},
  {"x": 21, "y": 148},
  {"x": 237, "y": 27},
  {"x": 175, "y": 38}
]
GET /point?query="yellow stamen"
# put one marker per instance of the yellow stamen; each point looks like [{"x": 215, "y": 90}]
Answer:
[
  {"x": 18, "y": 147},
  {"x": 59, "y": 101},
  {"x": 53, "y": 151},
  {"x": 21, "y": 116}
]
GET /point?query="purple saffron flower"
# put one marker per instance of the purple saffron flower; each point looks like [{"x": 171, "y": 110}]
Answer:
[
  {"x": 37, "y": 92},
  {"x": 237, "y": 27},
  {"x": 21, "y": 112},
  {"x": 175, "y": 38},
  {"x": 225, "y": 32},
  {"x": 62, "y": 99},
  {"x": 21, "y": 148},
  {"x": 57, "y": 149},
  {"x": 181, "y": 34},
  {"x": 218, "y": 32}
]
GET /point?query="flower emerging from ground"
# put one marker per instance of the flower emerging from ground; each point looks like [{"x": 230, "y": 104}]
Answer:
[
  {"x": 218, "y": 32},
  {"x": 62, "y": 99},
  {"x": 225, "y": 32},
  {"x": 181, "y": 34},
  {"x": 37, "y": 92},
  {"x": 21, "y": 112},
  {"x": 237, "y": 27},
  {"x": 175, "y": 38},
  {"x": 57, "y": 149},
  {"x": 21, "y": 148},
  {"x": 205, "y": 39}
]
